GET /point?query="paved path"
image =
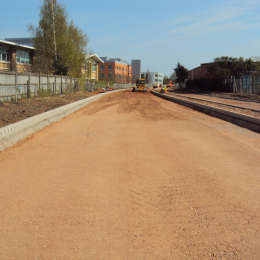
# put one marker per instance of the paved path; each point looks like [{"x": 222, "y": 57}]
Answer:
[{"x": 132, "y": 176}]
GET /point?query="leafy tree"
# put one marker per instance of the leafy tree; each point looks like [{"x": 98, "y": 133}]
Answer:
[
  {"x": 181, "y": 73},
  {"x": 166, "y": 80},
  {"x": 173, "y": 77},
  {"x": 60, "y": 45},
  {"x": 148, "y": 76},
  {"x": 231, "y": 67},
  {"x": 228, "y": 69}
]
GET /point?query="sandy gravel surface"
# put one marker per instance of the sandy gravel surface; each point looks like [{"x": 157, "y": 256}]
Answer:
[{"x": 132, "y": 176}]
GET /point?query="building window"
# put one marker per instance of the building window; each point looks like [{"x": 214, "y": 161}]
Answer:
[
  {"x": 102, "y": 75},
  {"x": 102, "y": 67},
  {"x": 110, "y": 67},
  {"x": 110, "y": 76},
  {"x": 4, "y": 55},
  {"x": 22, "y": 57},
  {"x": 94, "y": 67}
]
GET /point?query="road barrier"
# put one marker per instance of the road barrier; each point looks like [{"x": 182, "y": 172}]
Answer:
[
  {"x": 11, "y": 134},
  {"x": 234, "y": 118}
]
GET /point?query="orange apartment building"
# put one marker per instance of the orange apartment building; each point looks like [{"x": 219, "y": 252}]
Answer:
[{"x": 115, "y": 70}]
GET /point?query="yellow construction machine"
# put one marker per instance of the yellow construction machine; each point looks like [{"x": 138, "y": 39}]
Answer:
[{"x": 140, "y": 85}]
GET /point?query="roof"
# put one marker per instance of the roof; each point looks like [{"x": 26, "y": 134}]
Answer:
[
  {"x": 18, "y": 45},
  {"x": 95, "y": 57},
  {"x": 116, "y": 60},
  {"x": 28, "y": 41}
]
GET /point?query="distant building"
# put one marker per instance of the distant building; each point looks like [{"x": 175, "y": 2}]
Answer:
[
  {"x": 23, "y": 41},
  {"x": 153, "y": 78},
  {"x": 15, "y": 57},
  {"x": 90, "y": 69},
  {"x": 116, "y": 70},
  {"x": 203, "y": 71},
  {"x": 200, "y": 72},
  {"x": 136, "y": 67},
  {"x": 255, "y": 58}
]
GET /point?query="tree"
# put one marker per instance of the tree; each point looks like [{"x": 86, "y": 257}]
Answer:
[
  {"x": 230, "y": 69},
  {"x": 181, "y": 74},
  {"x": 173, "y": 77},
  {"x": 235, "y": 67},
  {"x": 166, "y": 80},
  {"x": 148, "y": 77},
  {"x": 60, "y": 45}
]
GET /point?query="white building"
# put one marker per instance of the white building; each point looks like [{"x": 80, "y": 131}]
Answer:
[{"x": 154, "y": 78}]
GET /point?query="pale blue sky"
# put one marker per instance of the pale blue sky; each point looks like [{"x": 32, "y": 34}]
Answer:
[{"x": 160, "y": 33}]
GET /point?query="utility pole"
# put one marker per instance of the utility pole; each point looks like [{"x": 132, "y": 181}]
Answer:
[{"x": 53, "y": 7}]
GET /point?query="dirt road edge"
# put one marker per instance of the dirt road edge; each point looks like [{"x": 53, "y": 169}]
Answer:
[
  {"x": 234, "y": 118},
  {"x": 13, "y": 133}
]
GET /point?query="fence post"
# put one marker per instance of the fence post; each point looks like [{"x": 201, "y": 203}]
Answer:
[
  {"x": 28, "y": 89},
  {"x": 55, "y": 83},
  {"x": 47, "y": 83},
  {"x": 15, "y": 78},
  {"x": 252, "y": 84},
  {"x": 39, "y": 80},
  {"x": 61, "y": 85},
  {"x": 15, "y": 84}
]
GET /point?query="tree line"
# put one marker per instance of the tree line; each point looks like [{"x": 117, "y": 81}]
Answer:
[
  {"x": 221, "y": 73},
  {"x": 60, "y": 45}
]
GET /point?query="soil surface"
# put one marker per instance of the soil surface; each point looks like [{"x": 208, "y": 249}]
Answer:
[
  {"x": 132, "y": 176},
  {"x": 11, "y": 112}
]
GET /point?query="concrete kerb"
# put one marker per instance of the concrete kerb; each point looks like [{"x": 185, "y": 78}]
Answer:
[
  {"x": 234, "y": 118},
  {"x": 218, "y": 103},
  {"x": 11, "y": 134}
]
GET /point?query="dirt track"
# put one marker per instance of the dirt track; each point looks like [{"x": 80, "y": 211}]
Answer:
[{"x": 132, "y": 176}]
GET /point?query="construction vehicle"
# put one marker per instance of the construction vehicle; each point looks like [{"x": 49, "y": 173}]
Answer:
[
  {"x": 140, "y": 85},
  {"x": 170, "y": 84}
]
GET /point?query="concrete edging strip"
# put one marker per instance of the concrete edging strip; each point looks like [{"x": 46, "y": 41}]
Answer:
[
  {"x": 218, "y": 103},
  {"x": 13, "y": 133},
  {"x": 234, "y": 118}
]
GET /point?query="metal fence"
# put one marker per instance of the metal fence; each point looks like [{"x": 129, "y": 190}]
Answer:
[
  {"x": 247, "y": 84},
  {"x": 14, "y": 86}
]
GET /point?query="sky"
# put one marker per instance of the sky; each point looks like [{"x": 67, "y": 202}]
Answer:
[{"x": 160, "y": 33}]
